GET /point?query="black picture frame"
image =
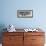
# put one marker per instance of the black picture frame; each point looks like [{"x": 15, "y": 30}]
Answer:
[{"x": 24, "y": 13}]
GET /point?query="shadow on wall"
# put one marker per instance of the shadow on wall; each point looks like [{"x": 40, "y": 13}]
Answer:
[{"x": 2, "y": 26}]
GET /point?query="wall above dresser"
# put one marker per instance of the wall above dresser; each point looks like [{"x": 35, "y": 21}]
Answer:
[{"x": 8, "y": 13}]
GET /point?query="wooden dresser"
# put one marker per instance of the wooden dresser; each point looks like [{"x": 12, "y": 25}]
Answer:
[{"x": 23, "y": 39}]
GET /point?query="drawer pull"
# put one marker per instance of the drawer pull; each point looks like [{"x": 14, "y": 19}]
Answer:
[
  {"x": 33, "y": 39},
  {"x": 10, "y": 38}
]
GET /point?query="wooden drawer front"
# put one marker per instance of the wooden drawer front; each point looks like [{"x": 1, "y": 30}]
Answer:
[
  {"x": 5, "y": 40},
  {"x": 33, "y": 40},
  {"x": 37, "y": 45},
  {"x": 34, "y": 33},
  {"x": 12, "y": 39},
  {"x": 13, "y": 33},
  {"x": 27, "y": 41},
  {"x": 37, "y": 39},
  {"x": 20, "y": 44}
]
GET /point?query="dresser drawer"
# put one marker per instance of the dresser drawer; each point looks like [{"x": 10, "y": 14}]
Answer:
[
  {"x": 37, "y": 44},
  {"x": 13, "y": 44},
  {"x": 37, "y": 39},
  {"x": 13, "y": 33},
  {"x": 12, "y": 39},
  {"x": 34, "y": 33}
]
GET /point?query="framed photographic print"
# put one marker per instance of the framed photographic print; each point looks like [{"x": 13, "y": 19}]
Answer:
[{"x": 24, "y": 13}]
